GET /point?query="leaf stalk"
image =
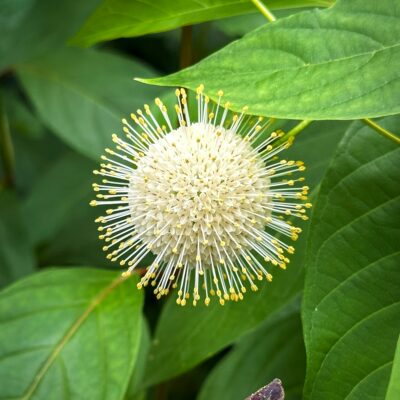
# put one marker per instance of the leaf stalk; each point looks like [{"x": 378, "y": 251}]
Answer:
[
  {"x": 380, "y": 129},
  {"x": 264, "y": 10}
]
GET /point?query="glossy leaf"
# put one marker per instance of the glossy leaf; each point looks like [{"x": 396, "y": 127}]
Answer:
[
  {"x": 68, "y": 334},
  {"x": 351, "y": 307},
  {"x": 84, "y": 105},
  {"x": 339, "y": 63},
  {"x": 275, "y": 349},
  {"x": 16, "y": 254},
  {"x": 121, "y": 18},
  {"x": 205, "y": 330},
  {"x": 29, "y": 28}
]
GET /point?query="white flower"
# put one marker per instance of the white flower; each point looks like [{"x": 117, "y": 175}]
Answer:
[{"x": 205, "y": 198}]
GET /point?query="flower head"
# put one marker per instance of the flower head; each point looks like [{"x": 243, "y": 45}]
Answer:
[{"x": 206, "y": 198}]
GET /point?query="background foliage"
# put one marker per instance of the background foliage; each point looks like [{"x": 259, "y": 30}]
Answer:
[{"x": 71, "y": 327}]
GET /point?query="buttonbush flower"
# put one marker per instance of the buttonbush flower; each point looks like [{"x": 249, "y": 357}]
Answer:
[{"x": 207, "y": 198}]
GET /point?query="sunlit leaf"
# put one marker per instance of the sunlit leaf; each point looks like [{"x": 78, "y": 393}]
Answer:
[{"x": 339, "y": 63}]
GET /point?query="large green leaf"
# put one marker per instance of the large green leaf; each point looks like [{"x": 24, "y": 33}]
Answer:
[
  {"x": 393, "y": 391},
  {"x": 122, "y": 18},
  {"x": 340, "y": 63},
  {"x": 274, "y": 350},
  {"x": 68, "y": 334},
  {"x": 82, "y": 95},
  {"x": 29, "y": 28},
  {"x": 351, "y": 306},
  {"x": 16, "y": 254},
  {"x": 205, "y": 330}
]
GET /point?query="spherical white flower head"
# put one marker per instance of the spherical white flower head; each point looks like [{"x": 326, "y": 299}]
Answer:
[
  {"x": 203, "y": 198},
  {"x": 195, "y": 192}
]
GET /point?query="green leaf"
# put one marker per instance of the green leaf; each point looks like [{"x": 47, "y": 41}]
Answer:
[
  {"x": 58, "y": 195},
  {"x": 339, "y": 63},
  {"x": 135, "y": 391},
  {"x": 274, "y": 350},
  {"x": 351, "y": 309},
  {"x": 84, "y": 105},
  {"x": 29, "y": 28},
  {"x": 61, "y": 220},
  {"x": 69, "y": 334},
  {"x": 21, "y": 119},
  {"x": 205, "y": 330},
  {"x": 76, "y": 239},
  {"x": 34, "y": 149},
  {"x": 120, "y": 18},
  {"x": 16, "y": 254},
  {"x": 393, "y": 391}
]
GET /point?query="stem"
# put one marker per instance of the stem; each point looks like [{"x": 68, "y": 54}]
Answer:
[
  {"x": 185, "y": 59},
  {"x": 294, "y": 132},
  {"x": 297, "y": 129},
  {"x": 264, "y": 10},
  {"x": 381, "y": 130},
  {"x": 6, "y": 148}
]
